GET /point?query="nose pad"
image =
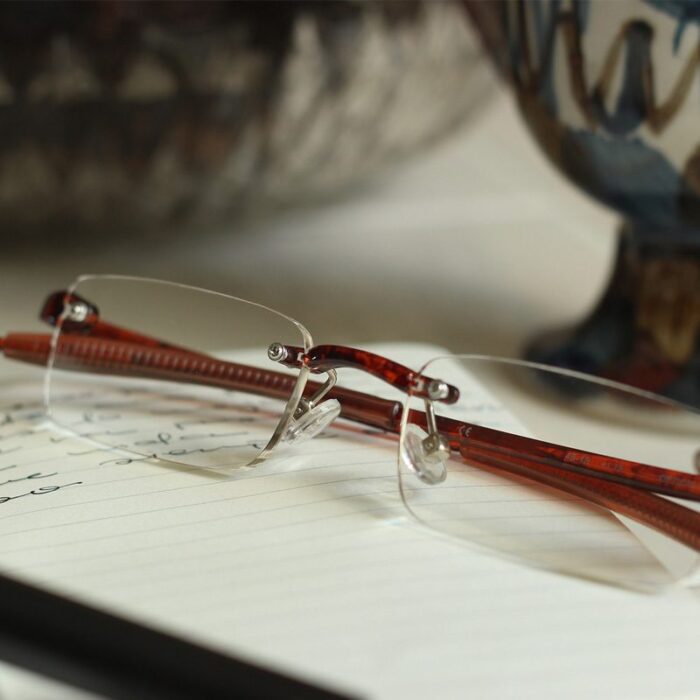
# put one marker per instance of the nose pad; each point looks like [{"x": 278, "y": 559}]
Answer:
[
  {"x": 313, "y": 421},
  {"x": 425, "y": 455}
]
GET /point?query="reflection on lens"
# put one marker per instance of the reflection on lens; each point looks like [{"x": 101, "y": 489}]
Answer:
[
  {"x": 486, "y": 502},
  {"x": 159, "y": 370}
]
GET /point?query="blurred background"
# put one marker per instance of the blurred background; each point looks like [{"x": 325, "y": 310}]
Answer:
[{"x": 359, "y": 166}]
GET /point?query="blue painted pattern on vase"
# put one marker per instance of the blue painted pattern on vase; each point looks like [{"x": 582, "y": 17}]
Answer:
[{"x": 611, "y": 92}]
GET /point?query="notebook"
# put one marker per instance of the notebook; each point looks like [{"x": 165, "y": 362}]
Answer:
[{"x": 311, "y": 564}]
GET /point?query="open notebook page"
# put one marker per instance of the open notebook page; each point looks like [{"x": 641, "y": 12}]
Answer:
[{"x": 310, "y": 563}]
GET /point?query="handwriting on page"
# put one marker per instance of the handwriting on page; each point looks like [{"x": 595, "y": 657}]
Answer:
[
  {"x": 18, "y": 479},
  {"x": 41, "y": 491},
  {"x": 99, "y": 432},
  {"x": 99, "y": 501}
]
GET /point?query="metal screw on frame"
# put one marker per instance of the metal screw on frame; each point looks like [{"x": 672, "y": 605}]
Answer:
[{"x": 78, "y": 311}]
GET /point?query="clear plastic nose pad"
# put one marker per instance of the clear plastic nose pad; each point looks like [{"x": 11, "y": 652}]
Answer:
[
  {"x": 425, "y": 455},
  {"x": 313, "y": 421}
]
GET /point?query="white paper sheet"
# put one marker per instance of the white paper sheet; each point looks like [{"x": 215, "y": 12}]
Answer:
[{"x": 311, "y": 564}]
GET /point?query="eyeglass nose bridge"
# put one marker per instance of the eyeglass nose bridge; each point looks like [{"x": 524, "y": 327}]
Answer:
[
  {"x": 426, "y": 457},
  {"x": 322, "y": 358}
]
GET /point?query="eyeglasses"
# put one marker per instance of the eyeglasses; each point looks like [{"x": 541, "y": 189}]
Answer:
[{"x": 215, "y": 382}]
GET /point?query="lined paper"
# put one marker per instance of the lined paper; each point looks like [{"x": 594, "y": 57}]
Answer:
[{"x": 310, "y": 563}]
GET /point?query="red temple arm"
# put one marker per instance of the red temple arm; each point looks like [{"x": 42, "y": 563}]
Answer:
[
  {"x": 502, "y": 445},
  {"x": 677, "y": 521},
  {"x": 106, "y": 356},
  {"x": 543, "y": 463},
  {"x": 627, "y": 488},
  {"x": 118, "y": 358}
]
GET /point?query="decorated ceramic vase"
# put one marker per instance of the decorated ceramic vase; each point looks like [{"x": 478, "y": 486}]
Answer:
[
  {"x": 611, "y": 92},
  {"x": 119, "y": 117}
]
